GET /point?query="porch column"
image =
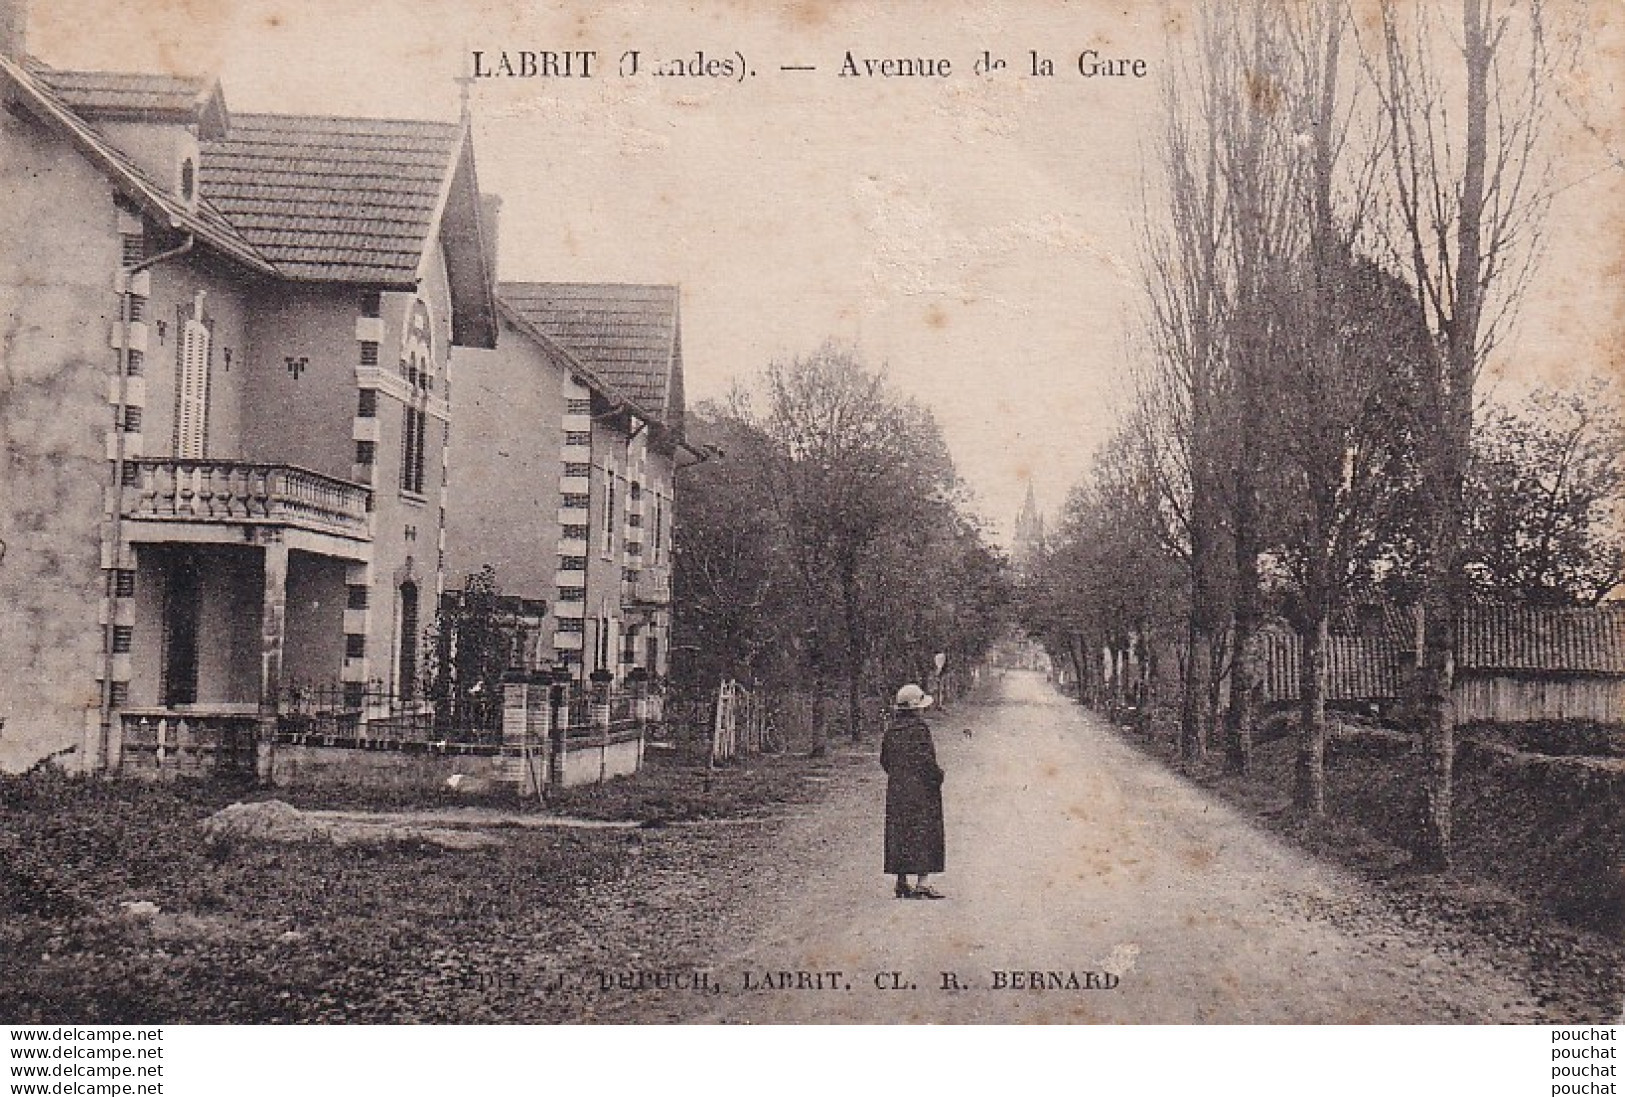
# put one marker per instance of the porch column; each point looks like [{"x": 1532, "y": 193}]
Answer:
[{"x": 273, "y": 629}]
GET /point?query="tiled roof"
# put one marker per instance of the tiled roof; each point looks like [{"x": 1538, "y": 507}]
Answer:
[
  {"x": 562, "y": 355},
  {"x": 1493, "y": 639},
  {"x": 625, "y": 333},
  {"x": 1358, "y": 668},
  {"x": 205, "y": 220},
  {"x": 91, "y": 93},
  {"x": 307, "y": 198},
  {"x": 1384, "y": 620},
  {"x": 1588, "y": 640},
  {"x": 332, "y": 199}
]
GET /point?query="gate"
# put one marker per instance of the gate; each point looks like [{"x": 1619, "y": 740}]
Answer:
[{"x": 741, "y": 726}]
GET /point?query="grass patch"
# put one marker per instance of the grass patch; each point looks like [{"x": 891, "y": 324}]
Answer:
[{"x": 253, "y": 933}]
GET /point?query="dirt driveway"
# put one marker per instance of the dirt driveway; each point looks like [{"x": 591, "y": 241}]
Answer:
[{"x": 1080, "y": 867}]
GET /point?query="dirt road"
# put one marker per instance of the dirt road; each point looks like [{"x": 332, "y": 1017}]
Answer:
[{"x": 1076, "y": 863}]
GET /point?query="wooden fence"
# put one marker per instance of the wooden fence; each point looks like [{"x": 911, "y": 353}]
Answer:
[
  {"x": 735, "y": 721},
  {"x": 740, "y": 725}
]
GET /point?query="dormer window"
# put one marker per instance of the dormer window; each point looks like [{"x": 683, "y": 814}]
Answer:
[{"x": 188, "y": 179}]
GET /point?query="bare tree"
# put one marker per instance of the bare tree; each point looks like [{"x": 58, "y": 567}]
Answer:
[
  {"x": 1189, "y": 294},
  {"x": 1110, "y": 582},
  {"x": 1260, "y": 164},
  {"x": 1340, "y": 353},
  {"x": 739, "y": 617},
  {"x": 1469, "y": 191},
  {"x": 849, "y": 461}
]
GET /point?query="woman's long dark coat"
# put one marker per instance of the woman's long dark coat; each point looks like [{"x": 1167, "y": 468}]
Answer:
[{"x": 914, "y": 839}]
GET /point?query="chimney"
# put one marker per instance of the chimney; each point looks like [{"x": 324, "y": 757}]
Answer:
[
  {"x": 490, "y": 224},
  {"x": 14, "y": 28}
]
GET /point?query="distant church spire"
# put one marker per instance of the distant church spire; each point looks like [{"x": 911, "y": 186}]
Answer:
[{"x": 1029, "y": 544}]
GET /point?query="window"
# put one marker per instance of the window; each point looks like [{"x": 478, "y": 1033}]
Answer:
[
  {"x": 407, "y": 663},
  {"x": 372, "y": 303},
  {"x": 578, "y": 437},
  {"x": 412, "y": 448},
  {"x": 566, "y": 655},
  {"x": 578, "y": 407},
  {"x": 355, "y": 597},
  {"x": 138, "y": 309},
  {"x": 132, "y": 420},
  {"x": 659, "y": 521},
  {"x": 653, "y": 644},
  {"x": 188, "y": 178},
  {"x": 366, "y": 453},
  {"x": 574, "y": 533},
  {"x": 366, "y": 404},
  {"x": 369, "y": 353},
  {"x": 355, "y": 646},
  {"x": 609, "y": 511},
  {"x": 572, "y": 563},
  {"x": 630, "y": 575},
  {"x": 130, "y": 477},
  {"x": 124, "y": 583},
  {"x": 637, "y": 491},
  {"x": 629, "y": 646},
  {"x": 577, "y": 468},
  {"x": 120, "y": 694},
  {"x": 571, "y": 624},
  {"x": 355, "y": 695},
  {"x": 572, "y": 594},
  {"x": 634, "y": 548},
  {"x": 634, "y": 520},
  {"x": 192, "y": 396},
  {"x": 132, "y": 248},
  {"x": 573, "y": 501},
  {"x": 123, "y": 637},
  {"x": 135, "y": 363}
]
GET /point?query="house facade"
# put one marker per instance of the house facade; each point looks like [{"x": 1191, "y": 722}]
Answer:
[
  {"x": 229, "y": 347},
  {"x": 568, "y": 438}
]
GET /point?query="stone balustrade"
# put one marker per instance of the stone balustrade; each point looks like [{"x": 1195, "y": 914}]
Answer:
[{"x": 242, "y": 492}]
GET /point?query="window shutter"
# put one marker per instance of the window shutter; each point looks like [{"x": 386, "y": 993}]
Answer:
[{"x": 192, "y": 392}]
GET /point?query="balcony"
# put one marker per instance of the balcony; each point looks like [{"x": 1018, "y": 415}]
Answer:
[
  {"x": 652, "y": 587},
  {"x": 238, "y": 493}
]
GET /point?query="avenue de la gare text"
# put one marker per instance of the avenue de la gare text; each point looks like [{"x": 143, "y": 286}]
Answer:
[{"x": 731, "y": 65}]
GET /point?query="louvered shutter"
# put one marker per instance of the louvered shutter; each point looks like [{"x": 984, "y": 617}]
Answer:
[{"x": 192, "y": 410}]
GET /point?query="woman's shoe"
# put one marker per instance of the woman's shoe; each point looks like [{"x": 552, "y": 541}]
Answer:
[
  {"x": 925, "y": 891},
  {"x": 904, "y": 891}
]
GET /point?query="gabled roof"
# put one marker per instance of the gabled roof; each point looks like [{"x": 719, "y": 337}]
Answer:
[
  {"x": 340, "y": 199},
  {"x": 38, "y": 99},
  {"x": 309, "y": 199},
  {"x": 139, "y": 96},
  {"x": 627, "y": 334},
  {"x": 562, "y": 354},
  {"x": 357, "y": 200},
  {"x": 1383, "y": 620},
  {"x": 1574, "y": 640}
]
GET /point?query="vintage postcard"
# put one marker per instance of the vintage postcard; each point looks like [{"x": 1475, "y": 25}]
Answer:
[{"x": 812, "y": 512}]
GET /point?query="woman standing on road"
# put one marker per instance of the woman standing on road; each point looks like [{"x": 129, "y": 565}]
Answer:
[{"x": 914, "y": 832}]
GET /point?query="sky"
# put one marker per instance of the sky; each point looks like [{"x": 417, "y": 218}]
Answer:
[{"x": 974, "y": 234}]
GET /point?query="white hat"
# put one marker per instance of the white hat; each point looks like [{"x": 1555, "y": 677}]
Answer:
[{"x": 912, "y": 696}]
